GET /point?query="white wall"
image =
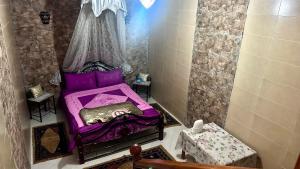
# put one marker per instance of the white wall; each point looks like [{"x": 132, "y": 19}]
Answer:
[
  {"x": 170, "y": 56},
  {"x": 264, "y": 109}
]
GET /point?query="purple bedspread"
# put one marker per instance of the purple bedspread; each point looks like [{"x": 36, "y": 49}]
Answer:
[{"x": 111, "y": 130}]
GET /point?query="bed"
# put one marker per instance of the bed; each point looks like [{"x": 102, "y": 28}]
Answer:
[{"x": 103, "y": 138}]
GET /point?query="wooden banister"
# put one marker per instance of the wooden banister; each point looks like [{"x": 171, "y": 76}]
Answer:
[
  {"x": 298, "y": 163},
  {"x": 164, "y": 164},
  {"x": 138, "y": 162}
]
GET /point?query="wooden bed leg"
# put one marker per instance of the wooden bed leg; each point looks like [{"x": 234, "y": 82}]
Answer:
[
  {"x": 80, "y": 150},
  {"x": 161, "y": 128}
]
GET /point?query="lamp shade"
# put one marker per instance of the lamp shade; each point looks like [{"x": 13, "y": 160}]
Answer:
[{"x": 147, "y": 3}]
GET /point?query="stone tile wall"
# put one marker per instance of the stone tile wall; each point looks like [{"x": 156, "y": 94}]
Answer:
[
  {"x": 35, "y": 44},
  {"x": 137, "y": 38},
  {"x": 218, "y": 35}
]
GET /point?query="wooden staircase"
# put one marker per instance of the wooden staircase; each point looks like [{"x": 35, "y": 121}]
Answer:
[{"x": 139, "y": 163}]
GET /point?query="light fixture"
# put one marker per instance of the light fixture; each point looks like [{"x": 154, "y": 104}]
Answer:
[
  {"x": 147, "y": 3},
  {"x": 45, "y": 17}
]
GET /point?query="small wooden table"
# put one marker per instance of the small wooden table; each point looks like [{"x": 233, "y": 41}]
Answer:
[
  {"x": 45, "y": 100},
  {"x": 214, "y": 146},
  {"x": 136, "y": 85}
]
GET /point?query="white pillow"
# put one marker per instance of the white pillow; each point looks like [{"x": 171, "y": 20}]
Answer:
[{"x": 143, "y": 77}]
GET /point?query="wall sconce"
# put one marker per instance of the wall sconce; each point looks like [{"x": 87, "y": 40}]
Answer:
[
  {"x": 147, "y": 3},
  {"x": 45, "y": 17}
]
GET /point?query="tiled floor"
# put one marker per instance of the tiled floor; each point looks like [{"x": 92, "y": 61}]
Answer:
[{"x": 71, "y": 162}]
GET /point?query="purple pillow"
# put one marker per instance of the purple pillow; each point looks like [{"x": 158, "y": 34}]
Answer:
[
  {"x": 109, "y": 78},
  {"x": 79, "y": 82}
]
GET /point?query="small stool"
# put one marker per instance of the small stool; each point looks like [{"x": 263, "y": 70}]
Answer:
[
  {"x": 138, "y": 85},
  {"x": 42, "y": 100}
]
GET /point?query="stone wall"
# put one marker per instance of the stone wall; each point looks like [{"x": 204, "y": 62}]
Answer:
[
  {"x": 137, "y": 38},
  {"x": 217, "y": 41},
  {"x": 65, "y": 14},
  {"x": 12, "y": 138},
  {"x": 35, "y": 44},
  {"x": 42, "y": 47}
]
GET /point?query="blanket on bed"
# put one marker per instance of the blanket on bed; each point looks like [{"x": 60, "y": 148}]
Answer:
[
  {"x": 107, "y": 113},
  {"x": 102, "y": 97}
]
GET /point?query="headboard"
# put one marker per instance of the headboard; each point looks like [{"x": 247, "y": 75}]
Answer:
[
  {"x": 93, "y": 66},
  {"x": 87, "y": 67}
]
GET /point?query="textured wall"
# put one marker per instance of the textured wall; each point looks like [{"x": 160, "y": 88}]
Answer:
[
  {"x": 170, "y": 52},
  {"x": 14, "y": 123},
  {"x": 42, "y": 47},
  {"x": 65, "y": 14},
  {"x": 35, "y": 44},
  {"x": 264, "y": 107},
  {"x": 137, "y": 38},
  {"x": 218, "y": 35}
]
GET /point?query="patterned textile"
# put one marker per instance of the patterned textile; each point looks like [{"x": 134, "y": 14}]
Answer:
[
  {"x": 49, "y": 142},
  {"x": 74, "y": 105},
  {"x": 107, "y": 113},
  {"x": 97, "y": 38},
  {"x": 37, "y": 91},
  {"x": 104, "y": 100},
  {"x": 158, "y": 152},
  {"x": 216, "y": 146}
]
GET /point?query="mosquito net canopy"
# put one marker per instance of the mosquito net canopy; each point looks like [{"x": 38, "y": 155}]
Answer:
[{"x": 99, "y": 35}]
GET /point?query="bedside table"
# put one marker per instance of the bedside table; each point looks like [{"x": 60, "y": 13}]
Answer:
[
  {"x": 139, "y": 85},
  {"x": 45, "y": 100}
]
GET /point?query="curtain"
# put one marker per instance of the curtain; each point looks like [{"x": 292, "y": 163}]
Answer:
[{"x": 99, "y": 35}]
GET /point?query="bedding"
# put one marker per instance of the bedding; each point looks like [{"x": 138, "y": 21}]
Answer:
[
  {"x": 109, "y": 78},
  {"x": 74, "y": 102},
  {"x": 79, "y": 82},
  {"x": 107, "y": 113}
]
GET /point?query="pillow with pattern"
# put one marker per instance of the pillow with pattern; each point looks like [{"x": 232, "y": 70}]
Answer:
[{"x": 36, "y": 91}]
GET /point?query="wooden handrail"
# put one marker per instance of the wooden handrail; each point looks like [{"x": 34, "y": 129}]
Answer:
[
  {"x": 298, "y": 163},
  {"x": 164, "y": 164},
  {"x": 138, "y": 162}
]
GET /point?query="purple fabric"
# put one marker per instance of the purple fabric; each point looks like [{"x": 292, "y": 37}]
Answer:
[
  {"x": 102, "y": 99},
  {"x": 85, "y": 99},
  {"x": 79, "y": 82},
  {"x": 152, "y": 115},
  {"x": 109, "y": 78},
  {"x": 119, "y": 92}
]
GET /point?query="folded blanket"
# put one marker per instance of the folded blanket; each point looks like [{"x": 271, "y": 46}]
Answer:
[{"x": 107, "y": 113}]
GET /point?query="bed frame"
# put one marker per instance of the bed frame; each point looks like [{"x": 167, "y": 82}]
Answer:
[{"x": 93, "y": 149}]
